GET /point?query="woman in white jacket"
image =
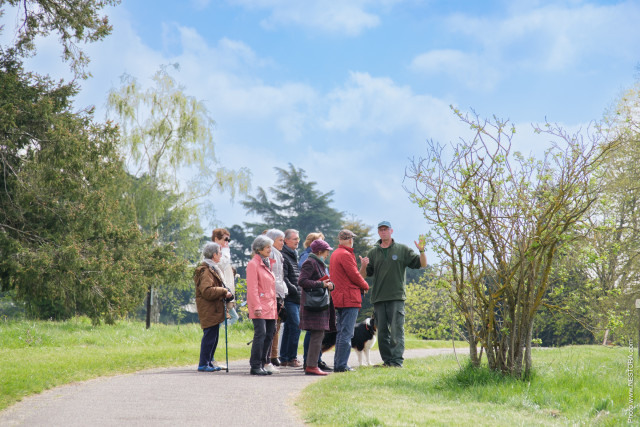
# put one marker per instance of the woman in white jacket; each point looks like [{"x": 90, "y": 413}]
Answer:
[
  {"x": 281, "y": 288},
  {"x": 222, "y": 237}
]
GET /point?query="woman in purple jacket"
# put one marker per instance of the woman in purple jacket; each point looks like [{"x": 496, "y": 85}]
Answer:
[{"x": 314, "y": 322}]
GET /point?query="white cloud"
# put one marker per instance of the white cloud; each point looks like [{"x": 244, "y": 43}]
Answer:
[
  {"x": 534, "y": 38},
  {"x": 377, "y": 105},
  {"x": 350, "y": 17},
  {"x": 468, "y": 68}
]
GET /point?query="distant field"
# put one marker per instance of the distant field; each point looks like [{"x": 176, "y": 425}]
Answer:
[{"x": 38, "y": 355}]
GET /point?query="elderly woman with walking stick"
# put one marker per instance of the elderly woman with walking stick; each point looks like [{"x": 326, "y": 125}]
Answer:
[{"x": 211, "y": 298}]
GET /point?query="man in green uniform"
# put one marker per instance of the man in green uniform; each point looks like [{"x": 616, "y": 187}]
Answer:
[{"x": 388, "y": 261}]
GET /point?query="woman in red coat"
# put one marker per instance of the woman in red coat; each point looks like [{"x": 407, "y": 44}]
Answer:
[
  {"x": 315, "y": 322},
  {"x": 261, "y": 301}
]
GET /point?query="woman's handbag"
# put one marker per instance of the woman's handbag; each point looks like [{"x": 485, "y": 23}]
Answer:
[{"x": 316, "y": 299}]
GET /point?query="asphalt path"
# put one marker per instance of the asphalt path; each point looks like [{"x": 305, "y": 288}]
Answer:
[{"x": 177, "y": 396}]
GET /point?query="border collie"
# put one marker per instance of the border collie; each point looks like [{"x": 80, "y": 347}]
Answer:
[{"x": 364, "y": 337}]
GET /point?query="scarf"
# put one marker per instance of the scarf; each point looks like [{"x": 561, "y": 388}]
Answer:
[
  {"x": 314, "y": 256},
  {"x": 321, "y": 261},
  {"x": 213, "y": 265},
  {"x": 266, "y": 262}
]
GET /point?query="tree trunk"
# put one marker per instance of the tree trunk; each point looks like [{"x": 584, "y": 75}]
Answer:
[
  {"x": 473, "y": 353},
  {"x": 528, "y": 362},
  {"x": 149, "y": 307}
]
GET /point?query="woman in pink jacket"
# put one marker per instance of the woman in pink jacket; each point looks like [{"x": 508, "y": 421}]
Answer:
[{"x": 261, "y": 300}]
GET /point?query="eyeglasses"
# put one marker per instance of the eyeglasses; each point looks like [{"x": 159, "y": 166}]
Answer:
[{"x": 226, "y": 239}]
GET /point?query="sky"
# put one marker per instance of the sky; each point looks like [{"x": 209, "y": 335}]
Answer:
[{"x": 352, "y": 90}]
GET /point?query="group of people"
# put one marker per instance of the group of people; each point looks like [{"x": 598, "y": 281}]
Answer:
[{"x": 283, "y": 285}]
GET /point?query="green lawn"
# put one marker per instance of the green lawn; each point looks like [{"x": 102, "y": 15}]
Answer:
[
  {"x": 584, "y": 385},
  {"x": 577, "y": 385},
  {"x": 38, "y": 355}
]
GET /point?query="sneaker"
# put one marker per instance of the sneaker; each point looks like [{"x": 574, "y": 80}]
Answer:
[
  {"x": 208, "y": 369},
  {"x": 218, "y": 365},
  {"x": 323, "y": 366},
  {"x": 272, "y": 369}
]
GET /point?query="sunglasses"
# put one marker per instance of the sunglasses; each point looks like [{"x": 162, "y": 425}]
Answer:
[{"x": 226, "y": 239}]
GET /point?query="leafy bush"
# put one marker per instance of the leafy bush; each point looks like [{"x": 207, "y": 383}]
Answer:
[{"x": 428, "y": 310}]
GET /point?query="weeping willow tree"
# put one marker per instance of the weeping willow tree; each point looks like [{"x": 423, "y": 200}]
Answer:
[
  {"x": 164, "y": 132},
  {"x": 498, "y": 220}
]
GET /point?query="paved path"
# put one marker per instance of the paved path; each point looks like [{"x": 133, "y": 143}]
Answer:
[{"x": 176, "y": 396}]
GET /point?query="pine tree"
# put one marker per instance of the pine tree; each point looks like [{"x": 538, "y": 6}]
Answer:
[{"x": 296, "y": 204}]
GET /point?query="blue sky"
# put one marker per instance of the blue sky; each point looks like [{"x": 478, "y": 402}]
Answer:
[{"x": 351, "y": 90}]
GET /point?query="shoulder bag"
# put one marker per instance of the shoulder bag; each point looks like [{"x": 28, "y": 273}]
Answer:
[{"x": 316, "y": 299}]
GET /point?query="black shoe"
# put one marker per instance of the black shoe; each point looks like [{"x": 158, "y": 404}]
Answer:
[
  {"x": 275, "y": 361},
  {"x": 323, "y": 366},
  {"x": 346, "y": 369},
  {"x": 258, "y": 371}
]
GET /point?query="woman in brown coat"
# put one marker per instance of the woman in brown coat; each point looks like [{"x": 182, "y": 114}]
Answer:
[{"x": 210, "y": 302}]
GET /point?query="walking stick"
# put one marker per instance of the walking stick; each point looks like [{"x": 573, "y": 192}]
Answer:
[{"x": 226, "y": 339}]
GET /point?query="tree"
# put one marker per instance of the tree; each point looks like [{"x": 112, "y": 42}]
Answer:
[
  {"x": 613, "y": 239},
  {"x": 163, "y": 131},
  {"x": 499, "y": 220},
  {"x": 364, "y": 240},
  {"x": 429, "y": 311},
  {"x": 566, "y": 315},
  {"x": 297, "y": 205},
  {"x": 75, "y": 21},
  {"x": 240, "y": 247},
  {"x": 69, "y": 243}
]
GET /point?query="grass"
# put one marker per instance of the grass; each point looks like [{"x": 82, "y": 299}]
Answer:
[
  {"x": 577, "y": 385},
  {"x": 585, "y": 385},
  {"x": 38, "y": 355}
]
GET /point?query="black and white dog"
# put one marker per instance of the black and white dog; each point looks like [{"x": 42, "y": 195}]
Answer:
[{"x": 364, "y": 337}]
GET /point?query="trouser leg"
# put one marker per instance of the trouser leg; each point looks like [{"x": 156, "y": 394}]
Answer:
[
  {"x": 396, "y": 308},
  {"x": 208, "y": 344},
  {"x": 315, "y": 345},
  {"x": 274, "y": 343},
  {"x": 384, "y": 333},
  {"x": 259, "y": 335},
  {"x": 305, "y": 345},
  {"x": 270, "y": 326},
  {"x": 291, "y": 332},
  {"x": 345, "y": 321},
  {"x": 233, "y": 313}
]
